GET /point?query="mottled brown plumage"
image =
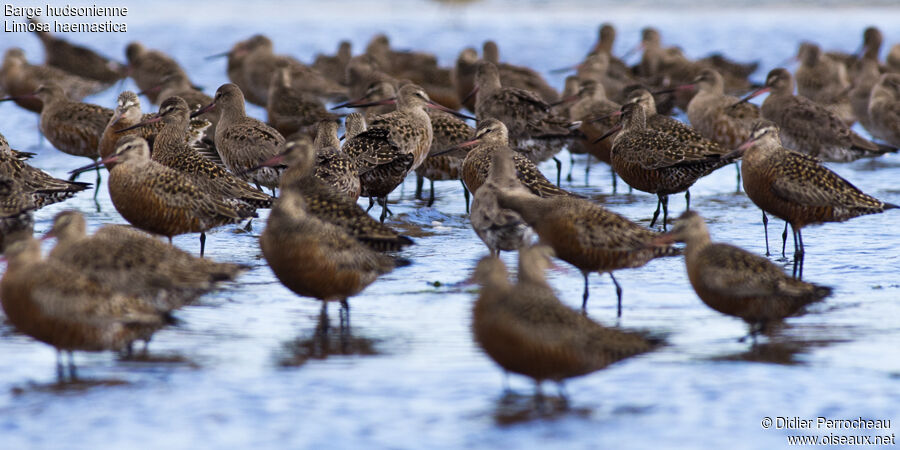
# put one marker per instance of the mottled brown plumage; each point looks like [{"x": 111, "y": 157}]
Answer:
[
  {"x": 16, "y": 207},
  {"x": 162, "y": 200},
  {"x": 866, "y": 78},
  {"x": 332, "y": 165},
  {"x": 19, "y": 79},
  {"x": 78, "y": 60},
  {"x": 393, "y": 144},
  {"x": 43, "y": 188},
  {"x": 325, "y": 202},
  {"x": 58, "y": 305},
  {"x": 490, "y": 135},
  {"x": 242, "y": 141},
  {"x": 714, "y": 114},
  {"x": 586, "y": 235},
  {"x": 174, "y": 150},
  {"x": 796, "y": 187},
  {"x": 291, "y": 111},
  {"x": 656, "y": 162},
  {"x": 499, "y": 228},
  {"x": 808, "y": 127},
  {"x": 150, "y": 69},
  {"x": 738, "y": 283},
  {"x": 72, "y": 127},
  {"x": 135, "y": 263},
  {"x": 824, "y": 81},
  {"x": 518, "y": 76},
  {"x": 448, "y": 131},
  {"x": 334, "y": 66},
  {"x": 535, "y": 130},
  {"x": 314, "y": 258},
  {"x": 525, "y": 329}
]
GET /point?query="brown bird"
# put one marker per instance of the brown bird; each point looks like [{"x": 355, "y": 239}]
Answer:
[
  {"x": 334, "y": 66},
  {"x": 738, "y": 283},
  {"x": 656, "y": 162},
  {"x": 867, "y": 76},
  {"x": 394, "y": 144},
  {"x": 884, "y": 109},
  {"x": 518, "y": 76},
  {"x": 316, "y": 259},
  {"x": 333, "y": 166},
  {"x": 58, "y": 305},
  {"x": 243, "y": 141},
  {"x": 16, "y": 207},
  {"x": 150, "y": 69},
  {"x": 447, "y": 131},
  {"x": 525, "y": 329},
  {"x": 306, "y": 177},
  {"x": 499, "y": 228},
  {"x": 43, "y": 188},
  {"x": 127, "y": 114},
  {"x": 174, "y": 148},
  {"x": 534, "y": 128},
  {"x": 19, "y": 80},
  {"x": 586, "y": 235},
  {"x": 824, "y": 81},
  {"x": 808, "y": 127},
  {"x": 713, "y": 114},
  {"x": 135, "y": 263},
  {"x": 77, "y": 59},
  {"x": 291, "y": 111},
  {"x": 162, "y": 200},
  {"x": 596, "y": 112},
  {"x": 178, "y": 85},
  {"x": 490, "y": 136},
  {"x": 797, "y": 188}
]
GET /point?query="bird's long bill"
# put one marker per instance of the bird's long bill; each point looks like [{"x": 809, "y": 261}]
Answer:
[
  {"x": 615, "y": 113},
  {"x": 471, "y": 95},
  {"x": 359, "y": 104},
  {"x": 93, "y": 165},
  {"x": 633, "y": 50},
  {"x": 755, "y": 93},
  {"x": 203, "y": 109},
  {"x": 565, "y": 100},
  {"x": 459, "y": 146},
  {"x": 663, "y": 239},
  {"x": 156, "y": 88},
  {"x": 271, "y": 162},
  {"x": 17, "y": 97},
  {"x": 609, "y": 133},
  {"x": 154, "y": 119},
  {"x": 351, "y": 103},
  {"x": 738, "y": 152},
  {"x": 566, "y": 69},
  {"x": 682, "y": 87},
  {"x": 218, "y": 55},
  {"x": 440, "y": 107}
]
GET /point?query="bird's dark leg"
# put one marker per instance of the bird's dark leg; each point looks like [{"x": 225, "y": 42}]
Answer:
[
  {"x": 587, "y": 169},
  {"x": 73, "y": 375},
  {"x": 345, "y": 320},
  {"x": 170, "y": 240},
  {"x": 420, "y": 182},
  {"x": 249, "y": 227},
  {"x": 466, "y": 195},
  {"x": 371, "y": 203},
  {"x": 614, "y": 180},
  {"x": 431, "y": 195},
  {"x": 585, "y": 297},
  {"x": 656, "y": 213},
  {"x": 737, "y": 166},
  {"x": 60, "y": 371},
  {"x": 766, "y": 231},
  {"x": 273, "y": 192},
  {"x": 202, "y": 242},
  {"x": 784, "y": 239},
  {"x": 558, "y": 170},
  {"x": 563, "y": 395},
  {"x": 665, "y": 206},
  {"x": 97, "y": 184},
  {"x": 571, "y": 166},
  {"x": 687, "y": 200},
  {"x": 802, "y": 254},
  {"x": 618, "y": 295},
  {"x": 258, "y": 186}
]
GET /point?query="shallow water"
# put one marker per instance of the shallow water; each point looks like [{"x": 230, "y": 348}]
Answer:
[{"x": 241, "y": 370}]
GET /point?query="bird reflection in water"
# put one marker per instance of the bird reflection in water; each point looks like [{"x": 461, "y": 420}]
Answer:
[{"x": 324, "y": 343}]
